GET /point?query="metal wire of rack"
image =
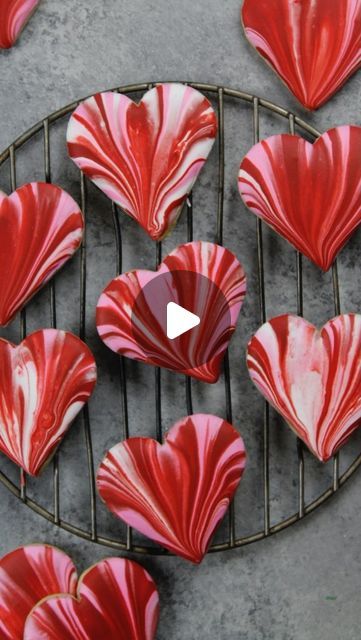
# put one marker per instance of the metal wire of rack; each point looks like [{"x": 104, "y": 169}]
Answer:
[{"x": 92, "y": 533}]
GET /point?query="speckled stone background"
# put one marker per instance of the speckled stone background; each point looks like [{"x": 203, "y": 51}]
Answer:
[{"x": 303, "y": 584}]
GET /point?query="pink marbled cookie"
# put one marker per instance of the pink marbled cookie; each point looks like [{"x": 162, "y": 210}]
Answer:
[
  {"x": 312, "y": 377},
  {"x": 178, "y": 492},
  {"x": 145, "y": 156},
  {"x": 202, "y": 277},
  {"x": 41, "y": 227},
  {"x": 116, "y": 599},
  {"x": 27, "y": 575},
  {"x": 14, "y": 14},
  {"x": 44, "y": 383}
]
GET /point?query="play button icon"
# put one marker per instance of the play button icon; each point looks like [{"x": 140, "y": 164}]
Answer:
[
  {"x": 179, "y": 320},
  {"x": 180, "y": 317}
]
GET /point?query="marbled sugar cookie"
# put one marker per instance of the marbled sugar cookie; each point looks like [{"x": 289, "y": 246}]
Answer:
[
  {"x": 145, "y": 156},
  {"x": 313, "y": 45},
  {"x": 41, "y": 227},
  {"x": 312, "y": 377},
  {"x": 116, "y": 599},
  {"x": 42, "y": 597},
  {"x": 204, "y": 278},
  {"x": 309, "y": 193},
  {"x": 44, "y": 383},
  {"x": 177, "y": 492},
  {"x": 27, "y": 575},
  {"x": 14, "y": 15}
]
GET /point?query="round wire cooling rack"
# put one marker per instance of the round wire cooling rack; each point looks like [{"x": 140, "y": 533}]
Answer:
[{"x": 284, "y": 482}]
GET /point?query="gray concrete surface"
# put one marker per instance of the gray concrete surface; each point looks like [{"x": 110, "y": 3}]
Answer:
[{"x": 303, "y": 584}]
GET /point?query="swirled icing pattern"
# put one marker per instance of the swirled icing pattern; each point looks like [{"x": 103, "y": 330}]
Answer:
[
  {"x": 117, "y": 313},
  {"x": 147, "y": 156},
  {"x": 116, "y": 600},
  {"x": 309, "y": 194},
  {"x": 178, "y": 492},
  {"x": 27, "y": 575},
  {"x": 44, "y": 382},
  {"x": 41, "y": 227},
  {"x": 314, "y": 45},
  {"x": 313, "y": 378},
  {"x": 14, "y": 14}
]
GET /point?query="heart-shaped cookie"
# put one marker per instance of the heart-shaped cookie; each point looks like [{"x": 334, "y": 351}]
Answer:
[
  {"x": 44, "y": 382},
  {"x": 313, "y": 45},
  {"x": 27, "y": 575},
  {"x": 205, "y": 279},
  {"x": 178, "y": 492},
  {"x": 313, "y": 378},
  {"x": 309, "y": 193},
  {"x": 146, "y": 156},
  {"x": 41, "y": 227},
  {"x": 14, "y": 14},
  {"x": 116, "y": 600}
]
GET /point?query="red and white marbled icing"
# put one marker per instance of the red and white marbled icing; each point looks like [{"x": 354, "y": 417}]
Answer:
[
  {"x": 309, "y": 193},
  {"x": 313, "y": 45},
  {"x": 27, "y": 575},
  {"x": 145, "y": 156},
  {"x": 44, "y": 383},
  {"x": 178, "y": 492},
  {"x": 116, "y": 311},
  {"x": 14, "y": 14},
  {"x": 116, "y": 600},
  {"x": 41, "y": 227},
  {"x": 313, "y": 378}
]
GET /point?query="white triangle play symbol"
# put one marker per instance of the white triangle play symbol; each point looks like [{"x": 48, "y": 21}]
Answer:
[{"x": 179, "y": 320}]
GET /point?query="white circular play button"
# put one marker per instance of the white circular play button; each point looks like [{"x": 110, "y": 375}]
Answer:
[{"x": 179, "y": 320}]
